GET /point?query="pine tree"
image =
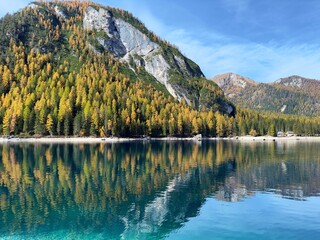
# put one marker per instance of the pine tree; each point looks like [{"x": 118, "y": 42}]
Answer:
[
  {"x": 272, "y": 130},
  {"x": 49, "y": 124},
  {"x": 221, "y": 125}
]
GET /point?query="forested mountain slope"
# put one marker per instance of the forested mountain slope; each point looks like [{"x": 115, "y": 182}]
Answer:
[
  {"x": 79, "y": 68},
  {"x": 292, "y": 95},
  {"x": 84, "y": 69}
]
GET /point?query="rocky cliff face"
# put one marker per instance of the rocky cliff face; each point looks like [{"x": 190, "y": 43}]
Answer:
[
  {"x": 127, "y": 42},
  {"x": 294, "y": 81},
  {"x": 102, "y": 21},
  {"x": 133, "y": 44}
]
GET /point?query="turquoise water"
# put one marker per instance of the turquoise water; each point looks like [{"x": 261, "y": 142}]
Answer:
[{"x": 160, "y": 190}]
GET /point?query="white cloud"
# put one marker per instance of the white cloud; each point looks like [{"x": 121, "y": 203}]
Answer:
[{"x": 264, "y": 63}]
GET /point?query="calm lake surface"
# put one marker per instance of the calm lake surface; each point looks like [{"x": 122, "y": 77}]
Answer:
[{"x": 160, "y": 190}]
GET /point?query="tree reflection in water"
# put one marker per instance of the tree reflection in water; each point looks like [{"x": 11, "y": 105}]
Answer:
[{"x": 138, "y": 189}]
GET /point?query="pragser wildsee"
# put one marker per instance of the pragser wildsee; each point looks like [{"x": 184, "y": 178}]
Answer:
[{"x": 108, "y": 130}]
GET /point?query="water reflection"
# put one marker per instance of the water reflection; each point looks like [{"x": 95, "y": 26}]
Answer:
[{"x": 136, "y": 190}]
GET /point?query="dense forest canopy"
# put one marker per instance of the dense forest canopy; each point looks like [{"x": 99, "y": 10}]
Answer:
[{"x": 53, "y": 81}]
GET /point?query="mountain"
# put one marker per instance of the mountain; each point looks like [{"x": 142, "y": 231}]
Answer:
[
  {"x": 118, "y": 33},
  {"x": 82, "y": 68},
  {"x": 127, "y": 39},
  {"x": 233, "y": 84},
  {"x": 293, "y": 95},
  {"x": 300, "y": 84}
]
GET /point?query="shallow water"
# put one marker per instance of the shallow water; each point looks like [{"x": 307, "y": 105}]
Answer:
[{"x": 159, "y": 190}]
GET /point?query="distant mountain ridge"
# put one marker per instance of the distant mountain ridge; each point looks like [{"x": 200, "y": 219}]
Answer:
[
  {"x": 292, "y": 95},
  {"x": 297, "y": 83},
  {"x": 232, "y": 83}
]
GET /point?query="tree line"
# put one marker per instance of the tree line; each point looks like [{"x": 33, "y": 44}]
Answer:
[{"x": 74, "y": 90}]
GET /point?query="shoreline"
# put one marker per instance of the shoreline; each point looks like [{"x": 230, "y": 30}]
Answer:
[
  {"x": 275, "y": 139},
  {"x": 89, "y": 140}
]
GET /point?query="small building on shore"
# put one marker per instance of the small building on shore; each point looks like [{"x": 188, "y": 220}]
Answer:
[
  {"x": 290, "y": 134},
  {"x": 286, "y": 134}
]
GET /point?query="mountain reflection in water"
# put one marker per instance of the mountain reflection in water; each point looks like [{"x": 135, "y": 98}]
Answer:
[{"x": 139, "y": 190}]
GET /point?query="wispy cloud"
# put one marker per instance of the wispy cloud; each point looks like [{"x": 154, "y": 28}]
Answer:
[
  {"x": 264, "y": 63},
  {"x": 217, "y": 53}
]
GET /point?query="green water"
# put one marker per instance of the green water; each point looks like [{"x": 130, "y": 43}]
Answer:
[{"x": 159, "y": 190}]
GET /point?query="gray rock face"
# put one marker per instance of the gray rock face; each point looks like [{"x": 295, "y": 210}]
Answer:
[
  {"x": 182, "y": 65},
  {"x": 135, "y": 41},
  {"x": 60, "y": 13},
  {"x": 113, "y": 46},
  {"x": 102, "y": 21},
  {"x": 99, "y": 20},
  {"x": 125, "y": 42},
  {"x": 33, "y": 6},
  {"x": 157, "y": 66},
  {"x": 293, "y": 81}
]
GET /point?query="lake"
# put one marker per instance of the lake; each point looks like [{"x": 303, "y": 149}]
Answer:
[{"x": 160, "y": 190}]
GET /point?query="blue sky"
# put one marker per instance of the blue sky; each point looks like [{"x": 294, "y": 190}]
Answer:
[{"x": 260, "y": 39}]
